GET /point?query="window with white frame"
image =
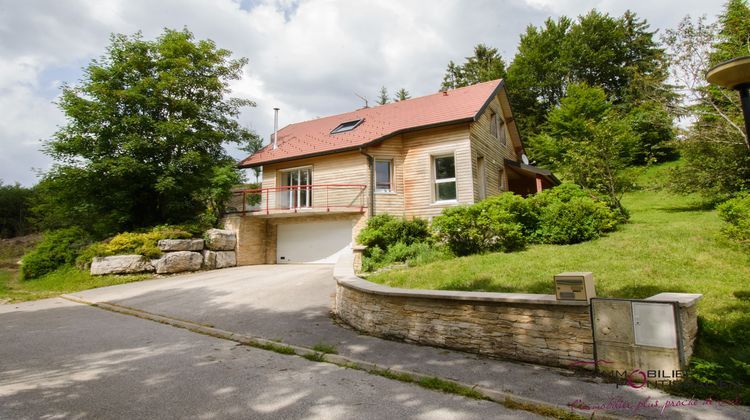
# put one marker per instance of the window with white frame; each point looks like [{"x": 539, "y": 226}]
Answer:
[
  {"x": 445, "y": 178},
  {"x": 383, "y": 176}
]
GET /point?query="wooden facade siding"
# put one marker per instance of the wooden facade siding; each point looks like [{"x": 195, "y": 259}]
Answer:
[
  {"x": 420, "y": 149},
  {"x": 392, "y": 202},
  {"x": 491, "y": 148},
  {"x": 412, "y": 156},
  {"x": 340, "y": 168}
]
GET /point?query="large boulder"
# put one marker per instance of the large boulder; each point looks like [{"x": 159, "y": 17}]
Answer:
[
  {"x": 168, "y": 245},
  {"x": 179, "y": 261},
  {"x": 219, "y": 259},
  {"x": 120, "y": 264},
  {"x": 220, "y": 240}
]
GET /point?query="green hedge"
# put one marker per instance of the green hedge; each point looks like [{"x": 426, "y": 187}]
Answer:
[
  {"x": 736, "y": 214},
  {"x": 566, "y": 214}
]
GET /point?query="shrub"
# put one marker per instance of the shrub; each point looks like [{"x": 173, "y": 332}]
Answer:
[
  {"x": 567, "y": 214},
  {"x": 415, "y": 254},
  {"x": 142, "y": 243},
  {"x": 578, "y": 220},
  {"x": 57, "y": 248},
  {"x": 736, "y": 214},
  {"x": 384, "y": 230},
  {"x": 483, "y": 227}
]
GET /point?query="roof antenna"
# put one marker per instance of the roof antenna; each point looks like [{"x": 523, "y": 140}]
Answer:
[{"x": 362, "y": 98}]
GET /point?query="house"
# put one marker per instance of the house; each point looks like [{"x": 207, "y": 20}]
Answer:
[{"x": 323, "y": 178}]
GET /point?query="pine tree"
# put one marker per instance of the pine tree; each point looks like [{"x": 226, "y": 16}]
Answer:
[
  {"x": 401, "y": 95},
  {"x": 383, "y": 96}
]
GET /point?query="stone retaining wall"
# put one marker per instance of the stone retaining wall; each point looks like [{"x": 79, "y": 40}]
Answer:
[{"x": 526, "y": 327}]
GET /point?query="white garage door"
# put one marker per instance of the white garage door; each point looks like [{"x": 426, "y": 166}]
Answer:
[{"x": 317, "y": 242}]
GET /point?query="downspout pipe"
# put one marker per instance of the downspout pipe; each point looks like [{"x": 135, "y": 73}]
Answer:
[{"x": 371, "y": 167}]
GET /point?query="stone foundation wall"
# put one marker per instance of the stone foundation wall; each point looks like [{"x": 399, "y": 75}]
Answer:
[
  {"x": 531, "y": 328},
  {"x": 256, "y": 236}
]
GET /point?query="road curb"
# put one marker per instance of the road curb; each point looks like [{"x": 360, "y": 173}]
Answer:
[{"x": 504, "y": 398}]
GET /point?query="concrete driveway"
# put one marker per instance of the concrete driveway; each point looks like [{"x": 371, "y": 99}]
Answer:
[
  {"x": 291, "y": 303},
  {"x": 286, "y": 302},
  {"x": 60, "y": 360}
]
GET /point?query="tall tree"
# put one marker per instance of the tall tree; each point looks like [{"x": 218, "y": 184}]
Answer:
[
  {"x": 383, "y": 96},
  {"x": 716, "y": 149},
  {"x": 538, "y": 75},
  {"x": 486, "y": 64},
  {"x": 15, "y": 204},
  {"x": 589, "y": 141},
  {"x": 619, "y": 55},
  {"x": 144, "y": 137},
  {"x": 401, "y": 95}
]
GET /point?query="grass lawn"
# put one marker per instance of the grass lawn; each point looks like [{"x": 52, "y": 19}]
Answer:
[
  {"x": 671, "y": 244},
  {"x": 64, "y": 280}
]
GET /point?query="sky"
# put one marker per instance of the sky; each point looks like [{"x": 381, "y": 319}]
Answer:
[{"x": 311, "y": 58}]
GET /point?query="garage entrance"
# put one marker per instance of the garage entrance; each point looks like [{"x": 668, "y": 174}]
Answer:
[{"x": 313, "y": 242}]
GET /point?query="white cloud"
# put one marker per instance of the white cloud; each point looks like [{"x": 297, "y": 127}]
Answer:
[{"x": 307, "y": 57}]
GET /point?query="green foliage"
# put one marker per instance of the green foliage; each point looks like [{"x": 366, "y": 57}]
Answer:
[
  {"x": 15, "y": 204},
  {"x": 144, "y": 136},
  {"x": 736, "y": 214},
  {"x": 716, "y": 149},
  {"x": 384, "y": 230},
  {"x": 401, "y": 95},
  {"x": 325, "y": 348},
  {"x": 652, "y": 124},
  {"x": 479, "y": 228},
  {"x": 416, "y": 253},
  {"x": 57, "y": 248},
  {"x": 566, "y": 214},
  {"x": 587, "y": 140},
  {"x": 485, "y": 65},
  {"x": 577, "y": 220},
  {"x": 141, "y": 243},
  {"x": 383, "y": 96},
  {"x": 619, "y": 55},
  {"x": 705, "y": 372}
]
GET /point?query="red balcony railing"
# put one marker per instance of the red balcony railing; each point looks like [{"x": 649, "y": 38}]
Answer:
[{"x": 298, "y": 198}]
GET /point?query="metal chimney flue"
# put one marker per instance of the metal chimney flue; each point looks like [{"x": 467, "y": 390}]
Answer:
[{"x": 275, "y": 127}]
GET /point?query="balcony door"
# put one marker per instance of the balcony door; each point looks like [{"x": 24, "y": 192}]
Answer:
[{"x": 299, "y": 193}]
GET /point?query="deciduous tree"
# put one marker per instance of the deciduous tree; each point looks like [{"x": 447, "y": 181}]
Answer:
[{"x": 144, "y": 137}]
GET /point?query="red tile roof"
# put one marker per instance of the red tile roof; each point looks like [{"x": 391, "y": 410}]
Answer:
[{"x": 312, "y": 138}]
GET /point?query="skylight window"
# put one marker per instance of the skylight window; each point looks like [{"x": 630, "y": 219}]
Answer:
[{"x": 347, "y": 126}]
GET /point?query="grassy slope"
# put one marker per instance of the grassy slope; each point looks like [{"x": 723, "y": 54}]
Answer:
[
  {"x": 64, "y": 280},
  {"x": 670, "y": 245}
]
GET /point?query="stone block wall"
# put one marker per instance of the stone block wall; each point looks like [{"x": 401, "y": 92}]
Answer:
[{"x": 549, "y": 334}]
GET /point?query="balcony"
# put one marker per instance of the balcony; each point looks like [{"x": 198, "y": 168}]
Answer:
[{"x": 298, "y": 200}]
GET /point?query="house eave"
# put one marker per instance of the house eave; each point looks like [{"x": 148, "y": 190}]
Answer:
[{"x": 359, "y": 146}]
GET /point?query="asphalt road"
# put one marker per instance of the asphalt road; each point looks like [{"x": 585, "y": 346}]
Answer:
[{"x": 64, "y": 360}]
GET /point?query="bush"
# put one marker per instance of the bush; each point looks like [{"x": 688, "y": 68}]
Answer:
[
  {"x": 484, "y": 227},
  {"x": 567, "y": 214},
  {"x": 384, "y": 230},
  {"x": 578, "y": 220},
  {"x": 736, "y": 213},
  {"x": 415, "y": 254},
  {"x": 57, "y": 248},
  {"x": 143, "y": 243}
]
